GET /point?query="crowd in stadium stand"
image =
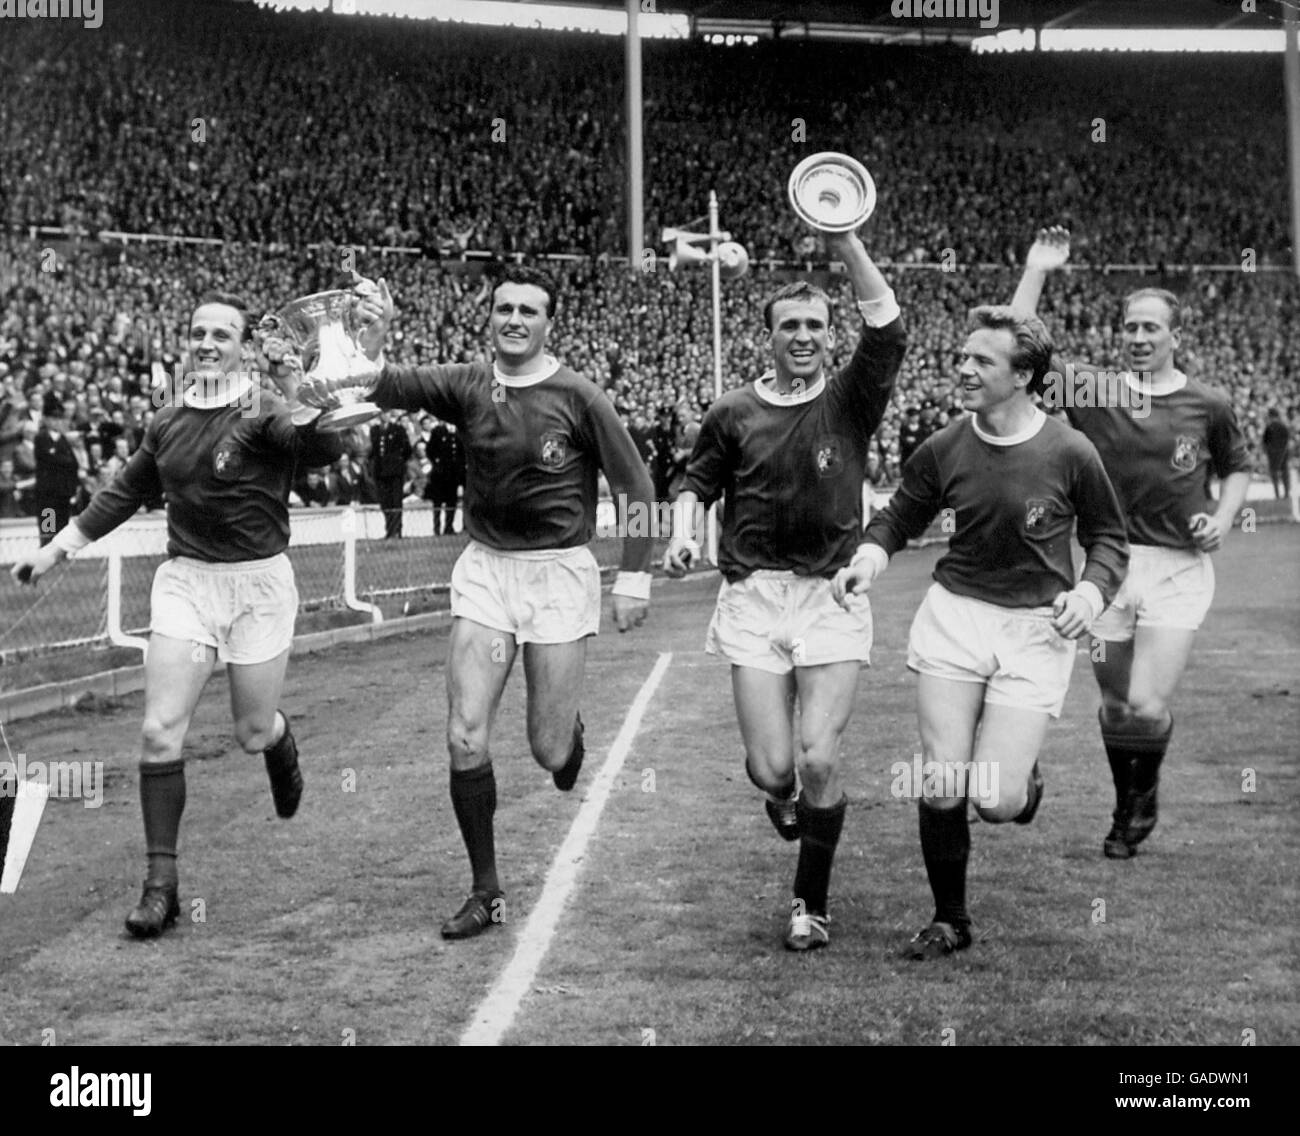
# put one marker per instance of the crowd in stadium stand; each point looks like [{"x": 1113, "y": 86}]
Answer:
[{"x": 274, "y": 131}]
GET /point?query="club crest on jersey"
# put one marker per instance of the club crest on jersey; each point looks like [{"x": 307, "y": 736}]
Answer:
[
  {"x": 1036, "y": 514},
  {"x": 1186, "y": 450},
  {"x": 554, "y": 450},
  {"x": 228, "y": 461},
  {"x": 830, "y": 457}
]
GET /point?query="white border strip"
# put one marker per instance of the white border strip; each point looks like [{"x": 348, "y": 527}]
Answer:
[
  {"x": 497, "y": 1011},
  {"x": 27, "y": 818}
]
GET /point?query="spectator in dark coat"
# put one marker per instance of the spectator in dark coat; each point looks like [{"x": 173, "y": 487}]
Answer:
[
  {"x": 1277, "y": 448},
  {"x": 390, "y": 447},
  {"x": 58, "y": 474},
  {"x": 446, "y": 455}
]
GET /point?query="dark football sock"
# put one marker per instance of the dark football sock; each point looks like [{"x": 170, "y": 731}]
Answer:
[
  {"x": 819, "y": 833},
  {"x": 945, "y": 845},
  {"x": 1135, "y": 759},
  {"x": 567, "y": 775},
  {"x": 162, "y": 800},
  {"x": 1121, "y": 762},
  {"x": 1149, "y": 753},
  {"x": 474, "y": 800}
]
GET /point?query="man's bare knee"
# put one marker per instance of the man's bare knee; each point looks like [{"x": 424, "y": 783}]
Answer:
[{"x": 161, "y": 741}]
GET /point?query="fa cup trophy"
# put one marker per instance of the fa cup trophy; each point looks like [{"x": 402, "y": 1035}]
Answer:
[
  {"x": 317, "y": 337},
  {"x": 832, "y": 192}
]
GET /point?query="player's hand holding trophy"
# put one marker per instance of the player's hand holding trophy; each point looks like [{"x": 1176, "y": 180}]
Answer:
[
  {"x": 832, "y": 193},
  {"x": 320, "y": 351}
]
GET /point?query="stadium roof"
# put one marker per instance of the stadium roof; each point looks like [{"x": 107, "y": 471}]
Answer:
[{"x": 874, "y": 19}]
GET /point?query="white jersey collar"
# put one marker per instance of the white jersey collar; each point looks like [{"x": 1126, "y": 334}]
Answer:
[
  {"x": 1174, "y": 385},
  {"x": 229, "y": 390},
  {"x": 794, "y": 398},
  {"x": 1030, "y": 431},
  {"x": 549, "y": 368}
]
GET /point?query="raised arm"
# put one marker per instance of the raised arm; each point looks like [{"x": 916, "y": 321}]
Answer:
[
  {"x": 1049, "y": 252},
  {"x": 869, "y": 286},
  {"x": 865, "y": 386}
]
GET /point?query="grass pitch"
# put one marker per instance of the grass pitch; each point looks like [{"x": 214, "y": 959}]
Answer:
[{"x": 301, "y": 931}]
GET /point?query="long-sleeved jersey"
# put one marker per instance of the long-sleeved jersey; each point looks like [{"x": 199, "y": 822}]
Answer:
[
  {"x": 1159, "y": 461},
  {"x": 533, "y": 446},
  {"x": 225, "y": 474},
  {"x": 792, "y": 467},
  {"x": 1013, "y": 504}
]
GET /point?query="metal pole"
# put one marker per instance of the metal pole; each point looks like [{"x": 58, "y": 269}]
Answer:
[
  {"x": 635, "y": 157},
  {"x": 715, "y": 269},
  {"x": 1291, "y": 69}
]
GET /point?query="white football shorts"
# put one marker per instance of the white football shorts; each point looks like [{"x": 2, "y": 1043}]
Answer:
[
  {"x": 1014, "y": 652},
  {"x": 1165, "y": 587},
  {"x": 538, "y": 596},
  {"x": 776, "y": 621},
  {"x": 244, "y": 610}
]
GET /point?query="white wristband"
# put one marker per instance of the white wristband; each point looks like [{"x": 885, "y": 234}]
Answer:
[
  {"x": 881, "y": 311},
  {"x": 1090, "y": 592},
  {"x": 634, "y": 585},
  {"x": 70, "y": 538},
  {"x": 873, "y": 553}
]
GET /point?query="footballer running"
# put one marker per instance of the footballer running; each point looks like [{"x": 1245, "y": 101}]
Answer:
[
  {"x": 226, "y": 590},
  {"x": 993, "y": 643},
  {"x": 535, "y": 434},
  {"x": 789, "y": 452},
  {"x": 1160, "y": 464}
]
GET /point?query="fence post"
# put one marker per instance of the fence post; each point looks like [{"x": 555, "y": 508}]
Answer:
[
  {"x": 350, "y": 568},
  {"x": 116, "y": 636}
]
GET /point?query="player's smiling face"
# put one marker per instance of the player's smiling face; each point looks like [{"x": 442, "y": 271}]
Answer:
[
  {"x": 1149, "y": 341},
  {"x": 986, "y": 378},
  {"x": 519, "y": 324},
  {"x": 801, "y": 335},
  {"x": 216, "y": 342}
]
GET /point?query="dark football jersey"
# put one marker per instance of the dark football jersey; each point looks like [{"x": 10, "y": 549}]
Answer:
[
  {"x": 1159, "y": 457},
  {"x": 792, "y": 469},
  {"x": 225, "y": 474},
  {"x": 1009, "y": 511},
  {"x": 532, "y": 453}
]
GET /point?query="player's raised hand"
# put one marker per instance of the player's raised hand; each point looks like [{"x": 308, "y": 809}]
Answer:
[
  {"x": 1071, "y": 615},
  {"x": 629, "y": 612},
  {"x": 680, "y": 557},
  {"x": 277, "y": 358},
  {"x": 841, "y": 245},
  {"x": 373, "y": 312},
  {"x": 1207, "y": 532},
  {"x": 1050, "y": 250},
  {"x": 31, "y": 568}
]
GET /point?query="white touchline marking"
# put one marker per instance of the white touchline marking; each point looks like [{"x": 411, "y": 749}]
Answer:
[{"x": 497, "y": 1011}]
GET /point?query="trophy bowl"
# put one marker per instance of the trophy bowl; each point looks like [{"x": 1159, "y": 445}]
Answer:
[
  {"x": 338, "y": 376},
  {"x": 832, "y": 192}
]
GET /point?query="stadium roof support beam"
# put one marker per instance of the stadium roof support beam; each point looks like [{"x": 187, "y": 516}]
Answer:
[
  {"x": 635, "y": 148},
  {"x": 1291, "y": 69}
]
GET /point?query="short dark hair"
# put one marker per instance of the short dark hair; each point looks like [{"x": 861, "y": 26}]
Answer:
[
  {"x": 1033, "y": 342},
  {"x": 522, "y": 274},
  {"x": 1172, "y": 302},
  {"x": 230, "y": 300},
  {"x": 795, "y": 290}
]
